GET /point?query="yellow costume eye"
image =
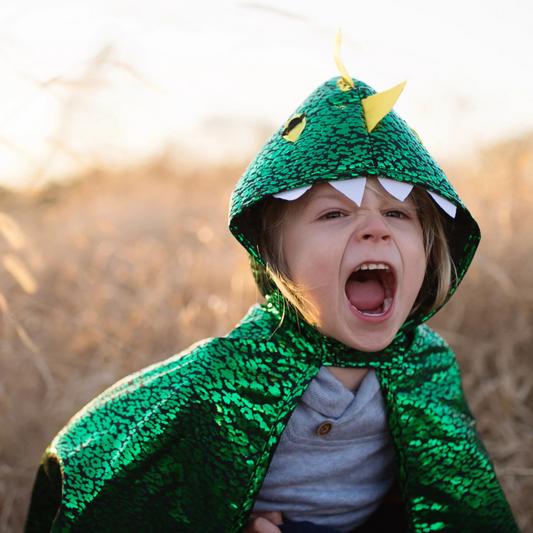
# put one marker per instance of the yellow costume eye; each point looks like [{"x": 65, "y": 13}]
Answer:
[{"x": 293, "y": 129}]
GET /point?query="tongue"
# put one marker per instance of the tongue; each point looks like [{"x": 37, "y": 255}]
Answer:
[{"x": 365, "y": 295}]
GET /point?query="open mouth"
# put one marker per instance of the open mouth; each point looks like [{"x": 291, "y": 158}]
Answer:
[{"x": 370, "y": 289}]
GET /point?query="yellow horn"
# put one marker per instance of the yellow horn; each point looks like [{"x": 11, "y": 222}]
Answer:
[
  {"x": 337, "y": 56},
  {"x": 378, "y": 105}
]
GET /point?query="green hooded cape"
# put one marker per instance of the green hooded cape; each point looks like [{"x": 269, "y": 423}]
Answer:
[{"x": 184, "y": 445}]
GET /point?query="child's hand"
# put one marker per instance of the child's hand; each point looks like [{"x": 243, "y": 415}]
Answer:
[{"x": 266, "y": 522}]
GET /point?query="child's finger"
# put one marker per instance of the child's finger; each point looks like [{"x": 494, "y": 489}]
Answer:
[{"x": 261, "y": 525}]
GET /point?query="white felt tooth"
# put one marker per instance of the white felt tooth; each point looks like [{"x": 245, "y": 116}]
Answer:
[
  {"x": 293, "y": 194},
  {"x": 446, "y": 205},
  {"x": 352, "y": 189},
  {"x": 398, "y": 189}
]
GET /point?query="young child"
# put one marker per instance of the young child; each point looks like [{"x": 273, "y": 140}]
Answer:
[{"x": 332, "y": 401}]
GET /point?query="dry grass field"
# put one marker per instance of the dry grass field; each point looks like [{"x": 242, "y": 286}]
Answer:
[{"x": 133, "y": 266}]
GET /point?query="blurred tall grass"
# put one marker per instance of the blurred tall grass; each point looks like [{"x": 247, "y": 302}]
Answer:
[{"x": 133, "y": 266}]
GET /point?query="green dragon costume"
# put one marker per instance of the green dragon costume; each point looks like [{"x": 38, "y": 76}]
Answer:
[{"x": 184, "y": 445}]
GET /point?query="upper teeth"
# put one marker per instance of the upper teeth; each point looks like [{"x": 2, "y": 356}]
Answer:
[{"x": 372, "y": 266}]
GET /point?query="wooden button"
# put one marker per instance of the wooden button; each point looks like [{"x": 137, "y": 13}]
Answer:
[{"x": 324, "y": 429}]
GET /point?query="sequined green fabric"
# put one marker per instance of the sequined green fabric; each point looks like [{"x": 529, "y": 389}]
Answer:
[
  {"x": 184, "y": 445},
  {"x": 335, "y": 145}
]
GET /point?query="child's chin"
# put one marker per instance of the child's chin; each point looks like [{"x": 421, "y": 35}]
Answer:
[
  {"x": 367, "y": 342},
  {"x": 362, "y": 335},
  {"x": 370, "y": 346}
]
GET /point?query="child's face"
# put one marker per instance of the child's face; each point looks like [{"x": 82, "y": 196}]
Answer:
[{"x": 332, "y": 248}]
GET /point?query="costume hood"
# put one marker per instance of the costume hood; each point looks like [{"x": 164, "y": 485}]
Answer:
[{"x": 344, "y": 131}]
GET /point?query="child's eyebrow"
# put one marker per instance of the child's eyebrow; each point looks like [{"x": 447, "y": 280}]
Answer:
[
  {"x": 325, "y": 194},
  {"x": 408, "y": 203},
  {"x": 330, "y": 195}
]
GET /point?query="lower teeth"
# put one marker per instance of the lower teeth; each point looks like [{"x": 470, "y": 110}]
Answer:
[{"x": 386, "y": 306}]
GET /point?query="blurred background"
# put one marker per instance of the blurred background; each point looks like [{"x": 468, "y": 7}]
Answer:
[{"x": 123, "y": 129}]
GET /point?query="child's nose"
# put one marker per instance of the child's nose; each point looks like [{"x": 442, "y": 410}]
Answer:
[{"x": 374, "y": 228}]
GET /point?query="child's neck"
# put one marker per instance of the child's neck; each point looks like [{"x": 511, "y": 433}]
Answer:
[{"x": 351, "y": 378}]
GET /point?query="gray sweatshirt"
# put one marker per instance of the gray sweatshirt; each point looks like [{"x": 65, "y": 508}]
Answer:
[{"x": 334, "y": 463}]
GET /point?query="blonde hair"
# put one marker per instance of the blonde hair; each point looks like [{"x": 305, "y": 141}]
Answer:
[{"x": 440, "y": 271}]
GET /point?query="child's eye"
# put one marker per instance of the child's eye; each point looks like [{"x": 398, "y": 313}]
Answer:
[
  {"x": 333, "y": 214},
  {"x": 396, "y": 214}
]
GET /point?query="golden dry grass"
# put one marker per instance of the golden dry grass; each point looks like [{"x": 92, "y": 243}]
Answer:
[{"x": 133, "y": 266}]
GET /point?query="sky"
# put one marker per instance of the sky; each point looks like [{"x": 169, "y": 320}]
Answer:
[{"x": 110, "y": 82}]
